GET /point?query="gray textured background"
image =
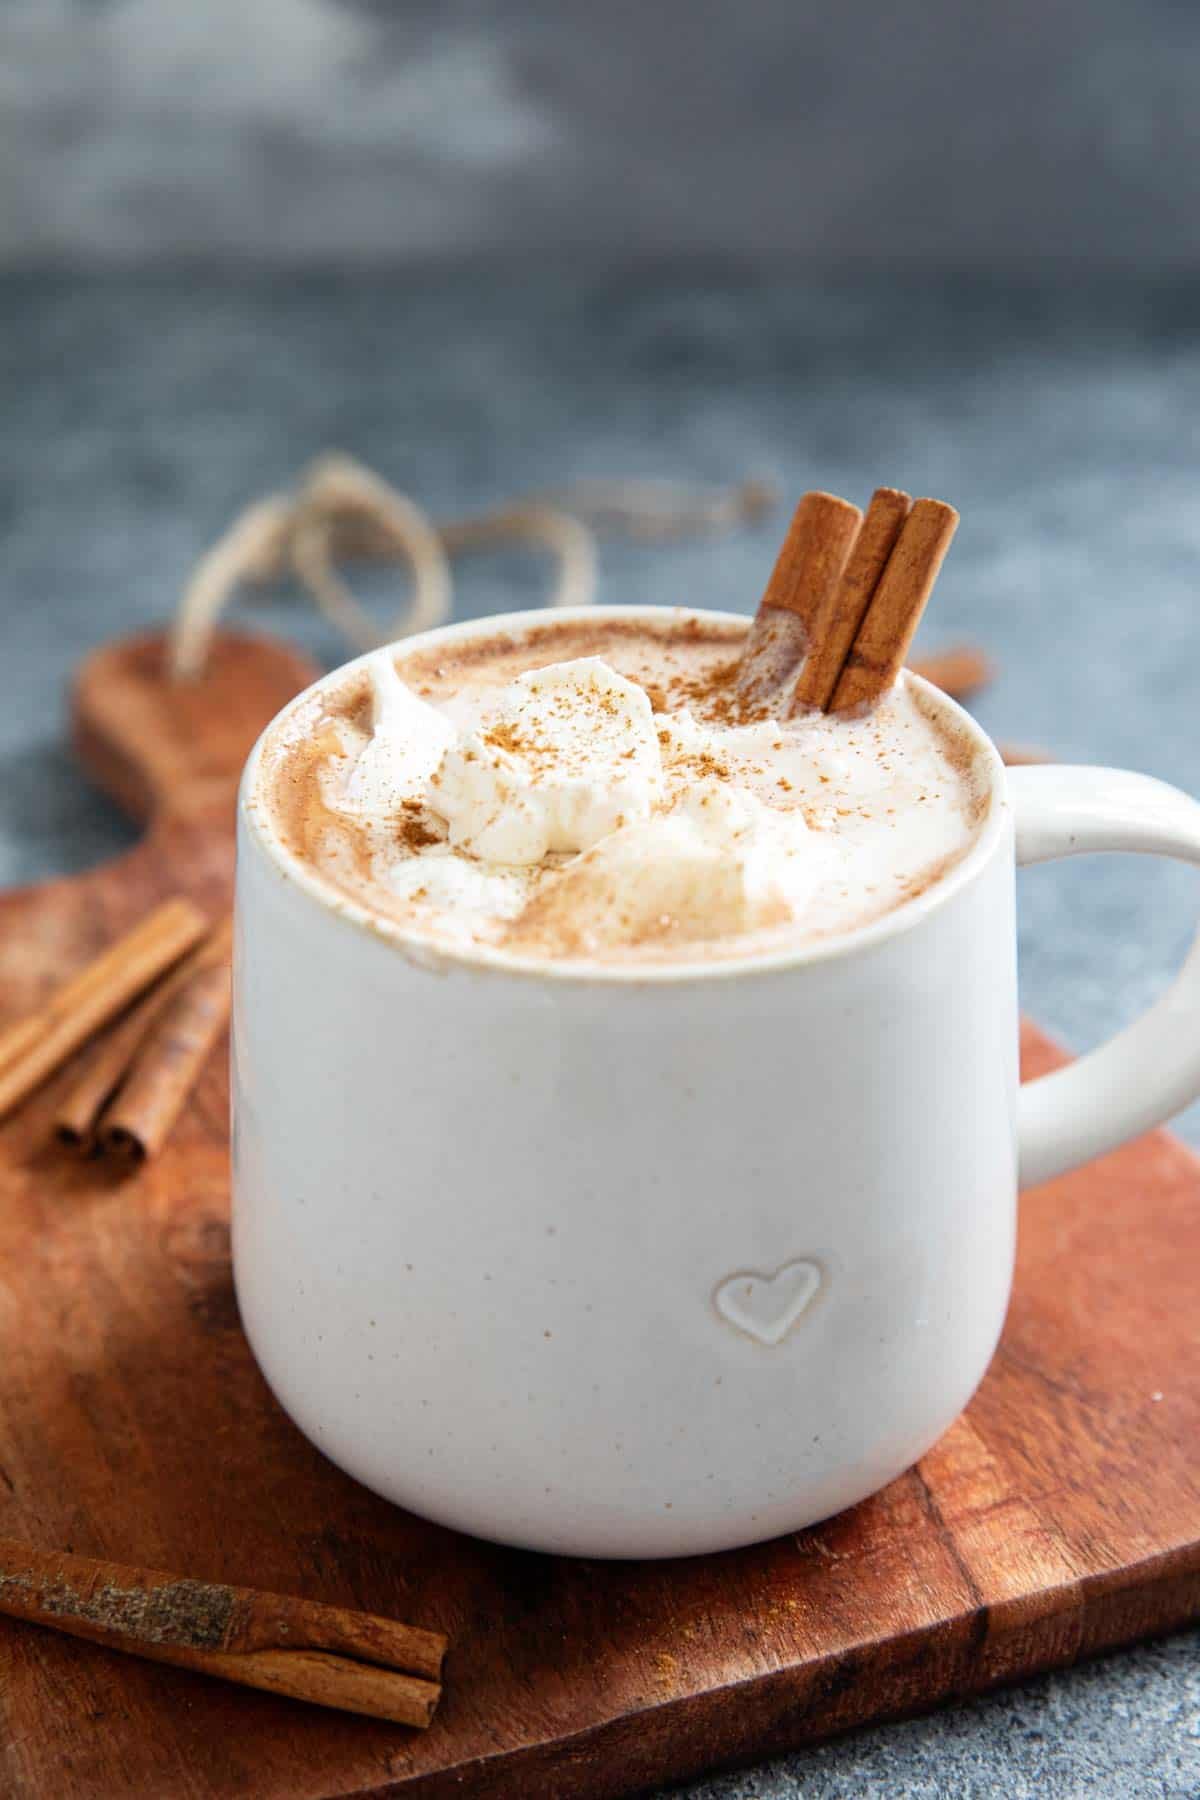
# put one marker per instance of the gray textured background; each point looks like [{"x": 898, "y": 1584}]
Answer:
[
  {"x": 972, "y": 135},
  {"x": 500, "y": 198}
]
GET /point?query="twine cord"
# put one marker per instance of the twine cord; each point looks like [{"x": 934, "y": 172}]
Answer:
[
  {"x": 568, "y": 539},
  {"x": 340, "y": 495},
  {"x": 344, "y": 511}
]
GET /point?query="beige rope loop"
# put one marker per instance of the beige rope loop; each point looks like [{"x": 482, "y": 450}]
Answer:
[
  {"x": 345, "y": 510},
  {"x": 532, "y": 522},
  {"x": 254, "y": 549},
  {"x": 342, "y": 504}
]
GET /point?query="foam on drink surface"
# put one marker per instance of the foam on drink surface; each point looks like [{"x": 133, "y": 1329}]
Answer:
[{"x": 593, "y": 791}]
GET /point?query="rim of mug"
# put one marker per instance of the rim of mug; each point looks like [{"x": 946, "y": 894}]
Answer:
[{"x": 429, "y": 953}]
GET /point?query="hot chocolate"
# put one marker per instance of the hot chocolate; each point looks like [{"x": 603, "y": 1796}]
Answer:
[{"x": 600, "y": 790}]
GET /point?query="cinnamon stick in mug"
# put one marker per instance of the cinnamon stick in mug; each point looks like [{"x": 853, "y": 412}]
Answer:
[
  {"x": 896, "y": 606},
  {"x": 809, "y": 565},
  {"x": 841, "y": 611}
]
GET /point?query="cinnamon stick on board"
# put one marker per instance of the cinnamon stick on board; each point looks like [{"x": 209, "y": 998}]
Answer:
[
  {"x": 959, "y": 671},
  {"x": 78, "y": 1115},
  {"x": 33, "y": 1048},
  {"x": 357, "y": 1662},
  {"x": 841, "y": 612},
  {"x": 165, "y": 1066},
  {"x": 896, "y": 606},
  {"x": 809, "y": 565},
  {"x": 1020, "y": 756}
]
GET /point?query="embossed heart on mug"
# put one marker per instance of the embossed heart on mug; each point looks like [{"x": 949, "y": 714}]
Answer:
[{"x": 766, "y": 1307}]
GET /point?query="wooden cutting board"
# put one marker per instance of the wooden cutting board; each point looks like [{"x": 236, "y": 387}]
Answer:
[{"x": 1060, "y": 1516}]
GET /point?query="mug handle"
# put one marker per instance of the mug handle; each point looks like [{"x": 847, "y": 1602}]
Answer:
[{"x": 1151, "y": 1069}]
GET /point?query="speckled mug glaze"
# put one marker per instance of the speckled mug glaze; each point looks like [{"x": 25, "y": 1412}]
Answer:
[{"x": 651, "y": 1262}]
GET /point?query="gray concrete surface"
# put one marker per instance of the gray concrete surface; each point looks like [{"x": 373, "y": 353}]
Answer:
[
  {"x": 139, "y": 414},
  {"x": 328, "y": 131}
]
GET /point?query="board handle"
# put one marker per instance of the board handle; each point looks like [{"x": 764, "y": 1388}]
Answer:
[{"x": 162, "y": 745}]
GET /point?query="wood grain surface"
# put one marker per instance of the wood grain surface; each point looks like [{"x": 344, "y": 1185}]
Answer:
[{"x": 1061, "y": 1515}]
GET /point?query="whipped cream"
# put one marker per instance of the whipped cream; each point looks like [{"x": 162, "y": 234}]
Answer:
[
  {"x": 438, "y": 878},
  {"x": 718, "y": 864},
  {"x": 408, "y": 743},
  {"x": 572, "y": 808},
  {"x": 570, "y": 755}
]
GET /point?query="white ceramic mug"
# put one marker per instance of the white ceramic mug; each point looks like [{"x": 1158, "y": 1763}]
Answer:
[{"x": 659, "y": 1261}]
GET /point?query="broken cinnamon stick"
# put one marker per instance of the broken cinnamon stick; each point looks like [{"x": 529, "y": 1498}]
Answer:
[
  {"x": 896, "y": 606},
  {"x": 837, "y": 620},
  {"x": 959, "y": 671},
  {"x": 165, "y": 1066},
  {"x": 1019, "y": 756},
  {"x": 67, "y": 999},
  {"x": 33, "y": 1048},
  {"x": 328, "y": 1655},
  {"x": 78, "y": 1116},
  {"x": 809, "y": 565}
]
